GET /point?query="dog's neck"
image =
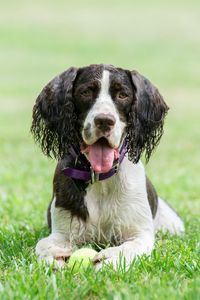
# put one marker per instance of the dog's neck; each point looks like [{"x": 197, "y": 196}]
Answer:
[{"x": 83, "y": 171}]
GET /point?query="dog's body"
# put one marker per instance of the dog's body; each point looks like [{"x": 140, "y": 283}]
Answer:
[{"x": 95, "y": 109}]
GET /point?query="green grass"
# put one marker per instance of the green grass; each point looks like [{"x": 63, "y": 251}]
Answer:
[{"x": 42, "y": 38}]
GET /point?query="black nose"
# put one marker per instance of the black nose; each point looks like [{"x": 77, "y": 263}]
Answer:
[{"x": 104, "y": 122}]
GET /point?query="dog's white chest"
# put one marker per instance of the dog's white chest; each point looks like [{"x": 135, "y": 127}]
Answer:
[
  {"x": 113, "y": 206},
  {"x": 104, "y": 205},
  {"x": 106, "y": 217},
  {"x": 117, "y": 207}
]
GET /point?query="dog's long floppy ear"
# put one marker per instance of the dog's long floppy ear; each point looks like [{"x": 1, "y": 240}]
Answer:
[
  {"x": 54, "y": 119},
  {"x": 146, "y": 118}
]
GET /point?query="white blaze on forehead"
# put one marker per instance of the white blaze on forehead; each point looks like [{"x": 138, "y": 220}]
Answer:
[
  {"x": 105, "y": 84},
  {"x": 104, "y": 102}
]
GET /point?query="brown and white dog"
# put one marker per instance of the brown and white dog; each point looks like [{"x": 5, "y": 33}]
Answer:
[{"x": 92, "y": 111}]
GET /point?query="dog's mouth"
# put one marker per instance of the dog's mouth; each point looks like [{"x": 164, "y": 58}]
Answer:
[{"x": 100, "y": 155}]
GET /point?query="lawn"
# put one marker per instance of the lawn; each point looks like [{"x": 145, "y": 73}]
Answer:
[{"x": 39, "y": 39}]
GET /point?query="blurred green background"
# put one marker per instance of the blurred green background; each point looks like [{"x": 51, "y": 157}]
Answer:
[{"x": 38, "y": 40}]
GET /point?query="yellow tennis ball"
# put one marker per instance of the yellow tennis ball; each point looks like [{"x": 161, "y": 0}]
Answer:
[{"x": 81, "y": 259}]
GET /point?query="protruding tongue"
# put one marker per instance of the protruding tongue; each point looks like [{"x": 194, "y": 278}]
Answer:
[{"x": 101, "y": 156}]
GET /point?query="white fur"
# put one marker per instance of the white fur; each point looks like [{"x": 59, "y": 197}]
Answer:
[
  {"x": 104, "y": 104},
  {"x": 167, "y": 219},
  {"x": 116, "y": 205},
  {"x": 57, "y": 244}
]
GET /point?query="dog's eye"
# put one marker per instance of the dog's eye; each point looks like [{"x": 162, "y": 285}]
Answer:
[
  {"x": 86, "y": 93},
  {"x": 122, "y": 95}
]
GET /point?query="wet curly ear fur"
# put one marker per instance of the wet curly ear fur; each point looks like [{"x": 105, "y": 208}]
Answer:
[
  {"x": 54, "y": 119},
  {"x": 146, "y": 118}
]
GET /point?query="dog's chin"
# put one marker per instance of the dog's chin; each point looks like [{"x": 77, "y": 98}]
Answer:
[{"x": 101, "y": 154}]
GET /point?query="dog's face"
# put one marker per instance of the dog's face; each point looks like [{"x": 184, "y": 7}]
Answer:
[
  {"x": 94, "y": 108},
  {"x": 102, "y": 99}
]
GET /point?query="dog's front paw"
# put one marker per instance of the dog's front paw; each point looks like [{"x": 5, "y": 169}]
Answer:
[
  {"x": 53, "y": 250},
  {"x": 117, "y": 257}
]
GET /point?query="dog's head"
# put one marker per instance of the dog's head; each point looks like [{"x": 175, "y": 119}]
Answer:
[{"x": 94, "y": 108}]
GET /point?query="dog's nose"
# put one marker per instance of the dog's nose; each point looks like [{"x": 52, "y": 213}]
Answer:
[{"x": 104, "y": 122}]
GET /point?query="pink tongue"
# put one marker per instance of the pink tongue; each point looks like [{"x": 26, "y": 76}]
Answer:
[{"x": 101, "y": 156}]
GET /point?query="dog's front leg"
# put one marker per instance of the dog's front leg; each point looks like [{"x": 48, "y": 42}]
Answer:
[
  {"x": 124, "y": 254},
  {"x": 55, "y": 248}
]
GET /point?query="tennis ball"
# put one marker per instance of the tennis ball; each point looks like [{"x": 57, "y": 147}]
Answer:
[{"x": 81, "y": 259}]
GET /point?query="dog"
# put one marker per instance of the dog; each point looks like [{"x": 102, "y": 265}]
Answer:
[{"x": 96, "y": 121}]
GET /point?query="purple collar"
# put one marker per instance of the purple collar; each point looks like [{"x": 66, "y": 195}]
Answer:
[{"x": 86, "y": 173}]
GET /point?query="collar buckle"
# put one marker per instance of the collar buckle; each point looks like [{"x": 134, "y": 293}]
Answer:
[
  {"x": 94, "y": 176},
  {"x": 116, "y": 166}
]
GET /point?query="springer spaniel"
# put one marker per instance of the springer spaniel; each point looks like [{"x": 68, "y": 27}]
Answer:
[{"x": 97, "y": 121}]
